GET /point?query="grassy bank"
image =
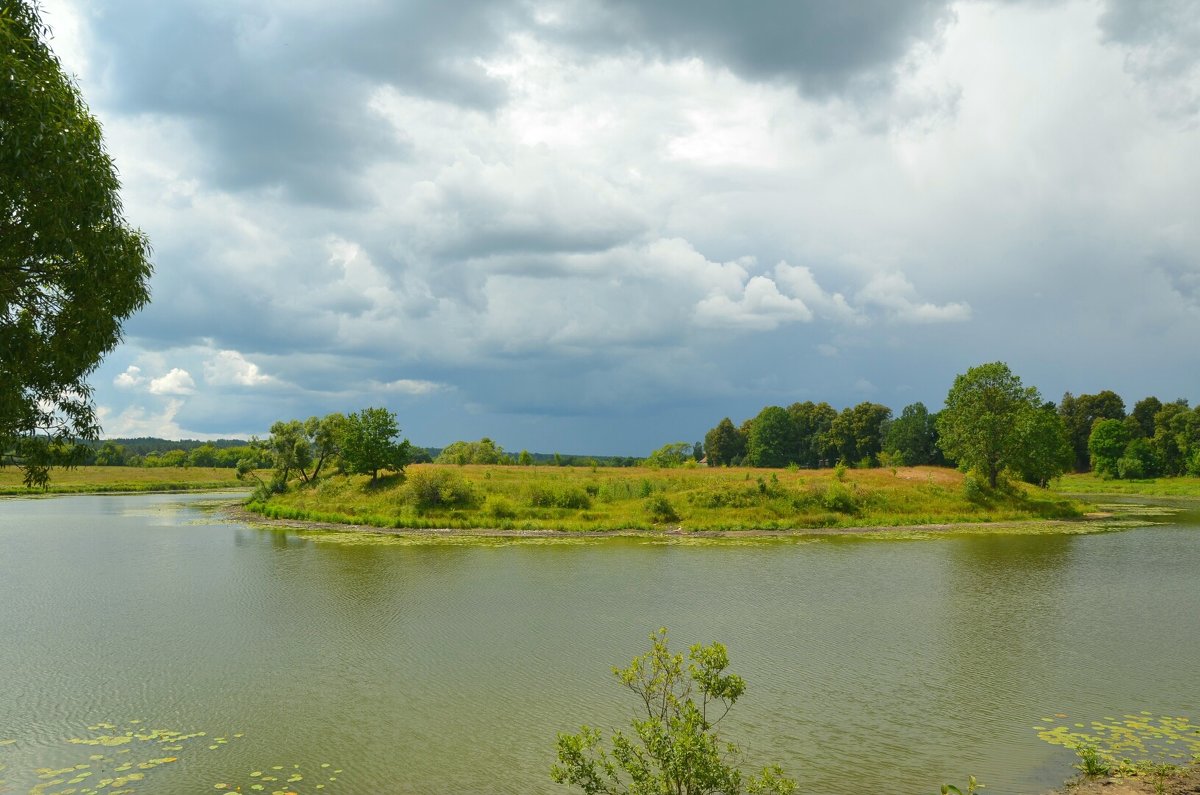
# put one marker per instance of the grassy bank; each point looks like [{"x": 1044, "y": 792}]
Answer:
[
  {"x": 94, "y": 480},
  {"x": 1150, "y": 487},
  {"x": 578, "y": 499}
]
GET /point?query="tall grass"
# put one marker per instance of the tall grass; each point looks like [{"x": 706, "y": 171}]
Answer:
[
  {"x": 577, "y": 499},
  {"x": 1089, "y": 483}
]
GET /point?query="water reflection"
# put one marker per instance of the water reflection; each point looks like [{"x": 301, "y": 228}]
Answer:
[{"x": 873, "y": 666}]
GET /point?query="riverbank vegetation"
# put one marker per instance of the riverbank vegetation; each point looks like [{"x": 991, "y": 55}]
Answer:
[
  {"x": 1091, "y": 484},
  {"x": 576, "y": 499},
  {"x": 93, "y": 479}
]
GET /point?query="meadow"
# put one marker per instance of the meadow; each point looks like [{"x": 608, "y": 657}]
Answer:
[
  {"x": 1088, "y": 483},
  {"x": 93, "y": 479},
  {"x": 515, "y": 498}
]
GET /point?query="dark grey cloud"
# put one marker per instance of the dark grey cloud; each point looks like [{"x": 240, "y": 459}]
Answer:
[
  {"x": 1161, "y": 39},
  {"x": 822, "y": 47},
  {"x": 279, "y": 96}
]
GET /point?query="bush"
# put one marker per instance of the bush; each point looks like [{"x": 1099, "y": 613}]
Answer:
[
  {"x": 660, "y": 510},
  {"x": 838, "y": 498},
  {"x": 439, "y": 488},
  {"x": 500, "y": 508},
  {"x": 570, "y": 497}
]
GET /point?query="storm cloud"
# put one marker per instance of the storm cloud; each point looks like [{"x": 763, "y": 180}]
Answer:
[{"x": 600, "y": 226}]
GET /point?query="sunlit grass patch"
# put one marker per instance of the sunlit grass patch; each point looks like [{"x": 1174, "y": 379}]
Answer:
[
  {"x": 93, "y": 480},
  {"x": 522, "y": 499}
]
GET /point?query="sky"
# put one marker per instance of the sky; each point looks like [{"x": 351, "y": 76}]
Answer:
[{"x": 599, "y": 226}]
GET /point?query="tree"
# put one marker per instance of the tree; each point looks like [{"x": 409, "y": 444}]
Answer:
[
  {"x": 857, "y": 433},
  {"x": 724, "y": 443},
  {"x": 772, "y": 439},
  {"x": 812, "y": 422},
  {"x": 670, "y": 455},
  {"x": 1046, "y": 449},
  {"x": 369, "y": 443},
  {"x": 912, "y": 437},
  {"x": 675, "y": 747},
  {"x": 986, "y": 424},
  {"x": 1106, "y": 444},
  {"x": 71, "y": 269},
  {"x": 110, "y": 454},
  {"x": 485, "y": 451},
  {"x": 1143, "y": 415},
  {"x": 1080, "y": 414},
  {"x": 325, "y": 439},
  {"x": 290, "y": 450}
]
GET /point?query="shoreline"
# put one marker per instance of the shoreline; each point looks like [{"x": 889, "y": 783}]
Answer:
[{"x": 240, "y": 514}]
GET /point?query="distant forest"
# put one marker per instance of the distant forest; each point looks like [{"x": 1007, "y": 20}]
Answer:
[
  {"x": 1152, "y": 439},
  {"x": 149, "y": 451}
]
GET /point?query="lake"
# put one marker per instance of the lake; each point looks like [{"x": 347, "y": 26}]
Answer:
[{"x": 166, "y": 650}]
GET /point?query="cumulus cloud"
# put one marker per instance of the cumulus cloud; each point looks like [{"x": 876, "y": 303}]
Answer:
[
  {"x": 176, "y": 382},
  {"x": 576, "y": 211},
  {"x": 131, "y": 378},
  {"x": 136, "y": 421},
  {"x": 896, "y": 294},
  {"x": 231, "y": 368}
]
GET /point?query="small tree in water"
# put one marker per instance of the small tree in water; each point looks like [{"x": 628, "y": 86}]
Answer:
[{"x": 675, "y": 747}]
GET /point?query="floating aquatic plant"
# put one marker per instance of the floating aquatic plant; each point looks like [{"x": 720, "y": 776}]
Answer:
[
  {"x": 1131, "y": 739},
  {"x": 133, "y": 754}
]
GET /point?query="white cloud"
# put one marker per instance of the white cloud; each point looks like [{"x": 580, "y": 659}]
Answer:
[
  {"x": 407, "y": 386},
  {"x": 230, "y": 368},
  {"x": 798, "y": 281},
  {"x": 761, "y": 307},
  {"x": 136, "y": 420},
  {"x": 132, "y": 377},
  {"x": 176, "y": 382},
  {"x": 896, "y": 294}
]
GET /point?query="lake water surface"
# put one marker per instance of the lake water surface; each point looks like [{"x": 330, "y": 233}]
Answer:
[{"x": 873, "y": 666}]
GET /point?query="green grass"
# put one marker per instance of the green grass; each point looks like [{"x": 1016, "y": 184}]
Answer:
[
  {"x": 1150, "y": 487},
  {"x": 510, "y": 498},
  {"x": 93, "y": 480}
]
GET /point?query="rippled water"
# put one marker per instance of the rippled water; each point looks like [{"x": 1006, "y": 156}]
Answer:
[{"x": 873, "y": 666}]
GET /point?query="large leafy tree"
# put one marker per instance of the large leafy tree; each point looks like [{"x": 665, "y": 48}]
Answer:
[
  {"x": 812, "y": 423},
  {"x": 1079, "y": 414},
  {"x": 675, "y": 746},
  {"x": 988, "y": 421},
  {"x": 1046, "y": 448},
  {"x": 912, "y": 437},
  {"x": 1107, "y": 444},
  {"x": 857, "y": 433},
  {"x": 724, "y": 444},
  {"x": 71, "y": 268},
  {"x": 369, "y": 443},
  {"x": 772, "y": 439}
]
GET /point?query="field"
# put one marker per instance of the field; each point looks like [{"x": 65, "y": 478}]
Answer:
[
  {"x": 510, "y": 498},
  {"x": 1152, "y": 487},
  {"x": 114, "y": 479}
]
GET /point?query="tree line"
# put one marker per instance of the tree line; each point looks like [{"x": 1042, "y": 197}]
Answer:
[{"x": 994, "y": 422}]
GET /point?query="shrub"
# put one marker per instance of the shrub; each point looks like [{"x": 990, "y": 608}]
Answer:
[
  {"x": 660, "y": 510},
  {"x": 439, "y": 488},
  {"x": 570, "y": 497},
  {"x": 838, "y": 498},
  {"x": 500, "y": 508}
]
